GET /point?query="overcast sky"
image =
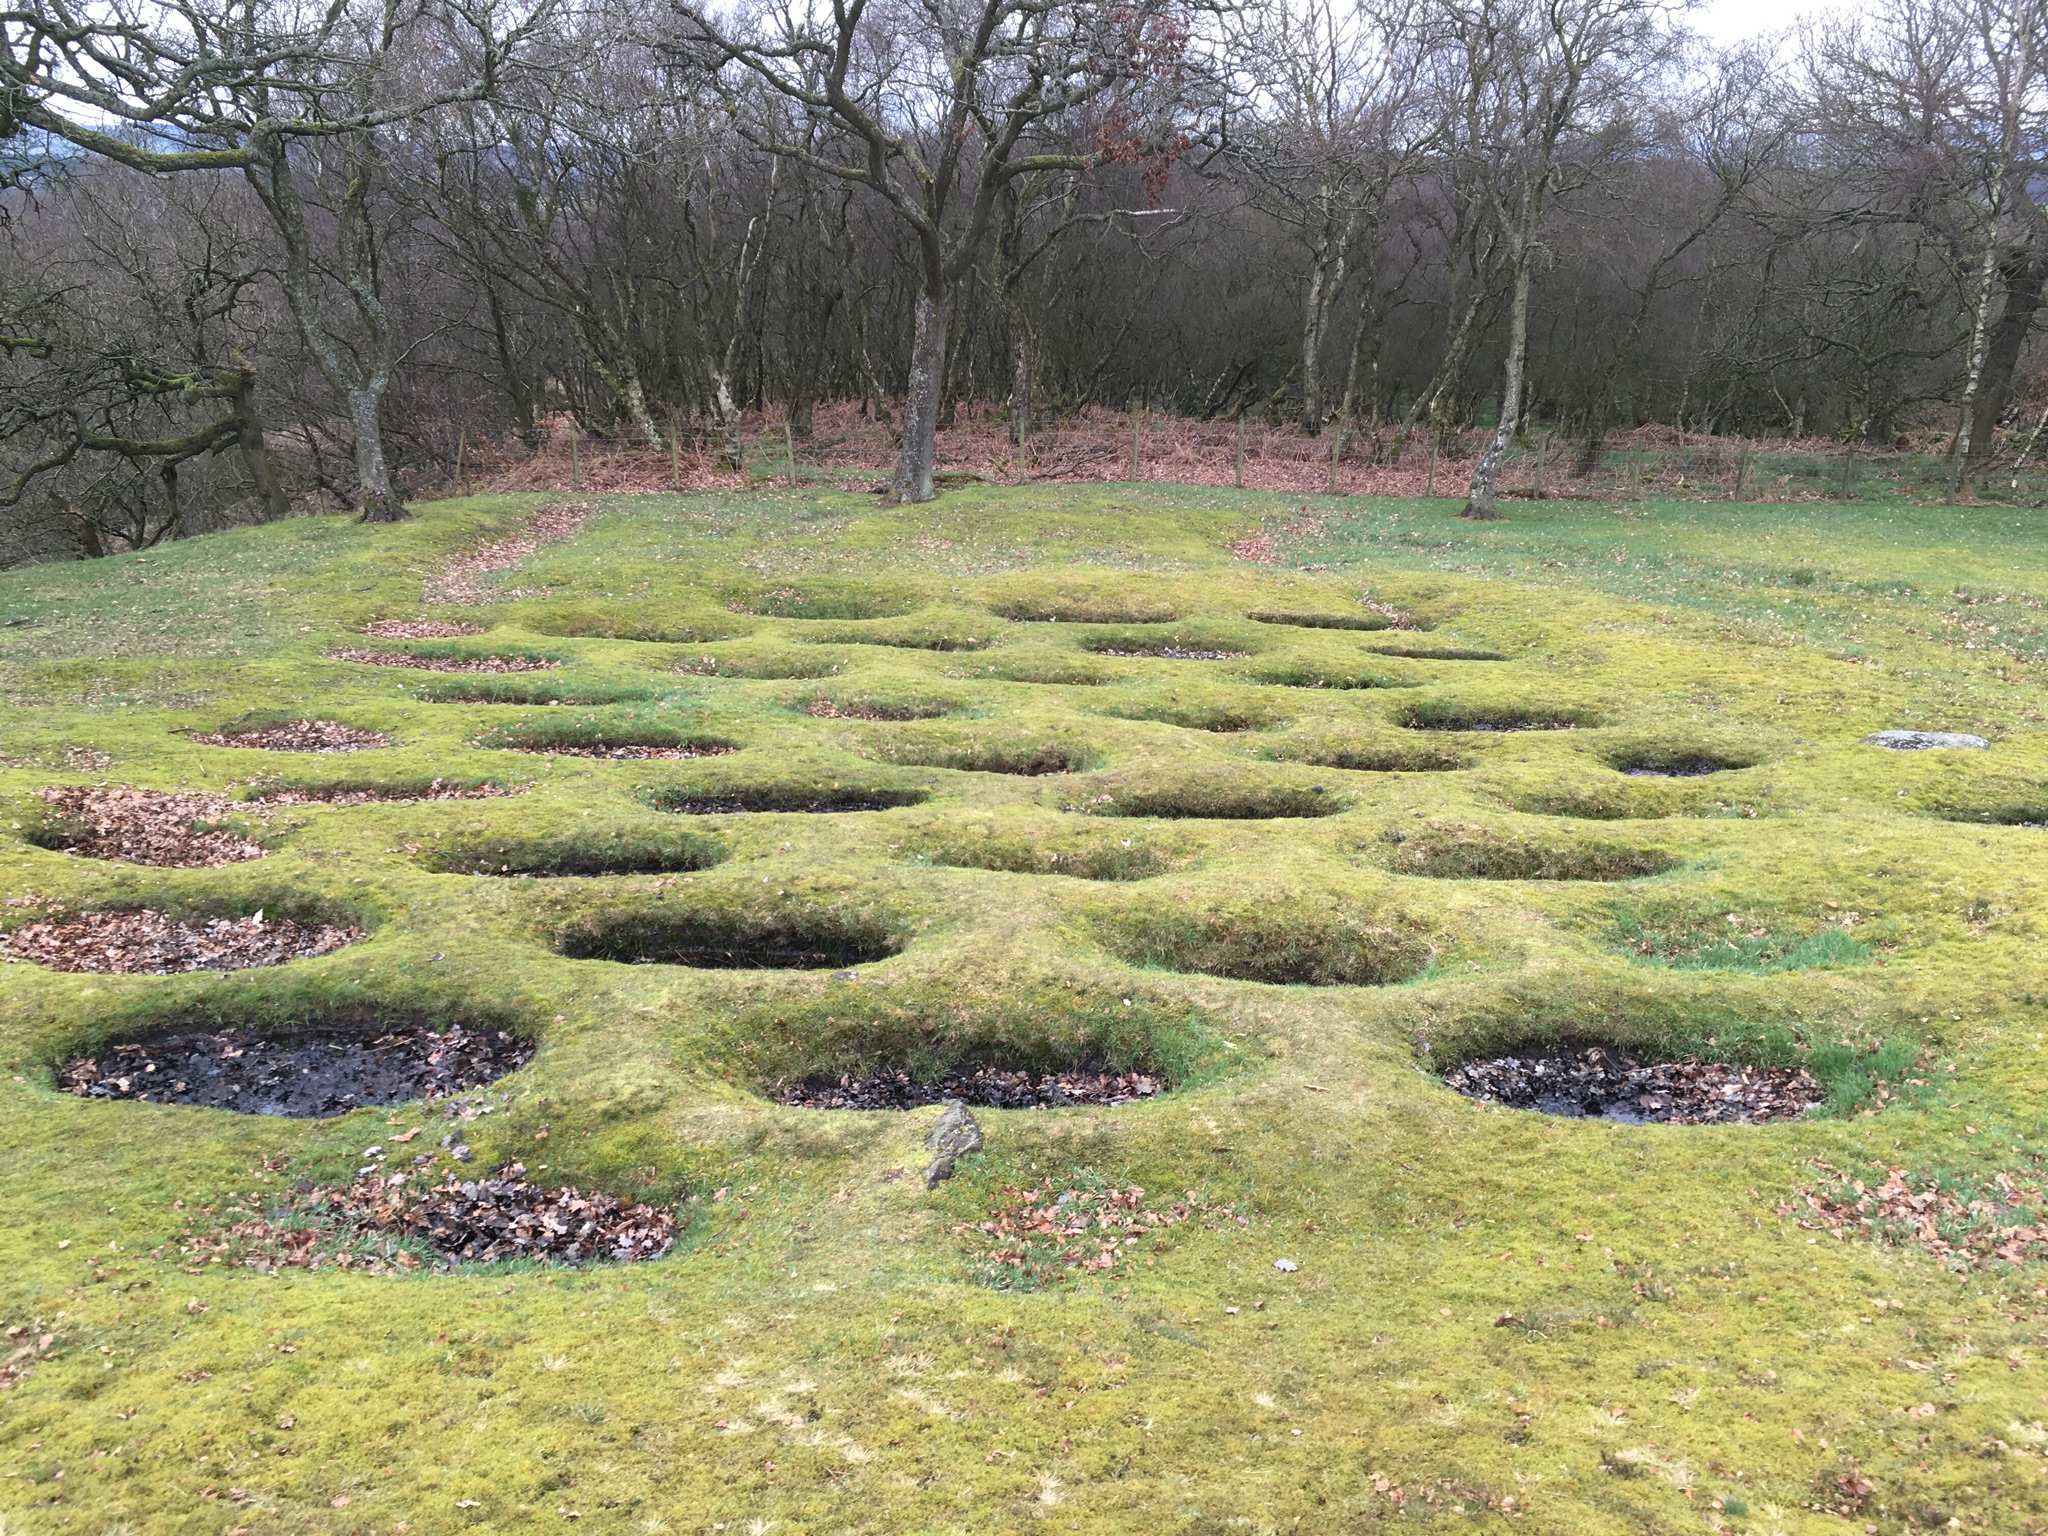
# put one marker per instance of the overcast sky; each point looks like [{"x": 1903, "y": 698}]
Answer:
[{"x": 1729, "y": 20}]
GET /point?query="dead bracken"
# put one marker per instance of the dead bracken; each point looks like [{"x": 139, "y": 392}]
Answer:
[
  {"x": 143, "y": 941},
  {"x": 1606, "y": 1083},
  {"x": 982, "y": 1087},
  {"x": 314, "y": 1073},
  {"x": 464, "y": 580},
  {"x": 424, "y": 663},
  {"x": 143, "y": 826},
  {"x": 298, "y": 736}
]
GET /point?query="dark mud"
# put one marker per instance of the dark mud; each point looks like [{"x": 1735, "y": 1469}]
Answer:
[
  {"x": 984, "y": 1088},
  {"x": 310, "y": 1075}
]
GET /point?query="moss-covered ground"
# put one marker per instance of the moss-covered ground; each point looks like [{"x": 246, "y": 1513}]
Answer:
[{"x": 1293, "y": 880}]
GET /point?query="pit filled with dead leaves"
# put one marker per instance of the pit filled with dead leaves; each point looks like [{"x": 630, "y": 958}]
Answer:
[
  {"x": 144, "y": 941},
  {"x": 1606, "y": 1083}
]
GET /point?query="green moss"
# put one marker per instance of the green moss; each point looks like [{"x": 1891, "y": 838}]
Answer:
[{"x": 1610, "y": 1325}]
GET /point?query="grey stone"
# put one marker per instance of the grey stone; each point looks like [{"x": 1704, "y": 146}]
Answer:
[
  {"x": 1923, "y": 741},
  {"x": 953, "y": 1137}
]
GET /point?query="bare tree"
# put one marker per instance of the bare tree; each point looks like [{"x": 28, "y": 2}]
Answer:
[
  {"x": 1557, "y": 72},
  {"x": 295, "y": 101},
  {"x": 944, "y": 103}
]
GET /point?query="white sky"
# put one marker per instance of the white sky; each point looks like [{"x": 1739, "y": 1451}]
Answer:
[{"x": 1730, "y": 21}]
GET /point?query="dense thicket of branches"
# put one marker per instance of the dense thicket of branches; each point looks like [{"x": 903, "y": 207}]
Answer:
[{"x": 257, "y": 255}]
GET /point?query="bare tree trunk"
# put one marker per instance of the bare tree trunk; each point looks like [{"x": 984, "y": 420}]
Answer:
[
  {"x": 913, "y": 478},
  {"x": 1973, "y": 378},
  {"x": 376, "y": 502},
  {"x": 1314, "y": 314},
  {"x": 1482, "y": 501},
  {"x": 255, "y": 449},
  {"x": 731, "y": 451}
]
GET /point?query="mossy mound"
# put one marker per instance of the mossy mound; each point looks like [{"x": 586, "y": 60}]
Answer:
[
  {"x": 613, "y": 851},
  {"x": 984, "y": 844},
  {"x": 982, "y": 749},
  {"x": 797, "y": 797},
  {"x": 878, "y": 703},
  {"x": 593, "y": 623},
  {"x": 1224, "y": 716},
  {"x": 611, "y": 733},
  {"x": 756, "y": 664},
  {"x": 527, "y": 688},
  {"x": 1457, "y": 715},
  {"x": 666, "y": 931},
  {"x": 826, "y": 598},
  {"x": 1214, "y": 796},
  {"x": 1296, "y": 618},
  {"x": 1304, "y": 941},
  {"x": 930, "y": 1033},
  {"x": 1444, "y": 850}
]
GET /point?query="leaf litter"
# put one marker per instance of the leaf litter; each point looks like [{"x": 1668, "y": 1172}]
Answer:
[
  {"x": 143, "y": 941},
  {"x": 384, "y": 1224},
  {"x": 145, "y": 826},
  {"x": 299, "y": 736},
  {"x": 1600, "y": 1082}
]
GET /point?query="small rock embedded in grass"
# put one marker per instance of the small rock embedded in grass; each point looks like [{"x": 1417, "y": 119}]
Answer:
[
  {"x": 986, "y": 1087},
  {"x": 954, "y": 1136},
  {"x": 299, "y": 736},
  {"x": 1602, "y": 1083},
  {"x": 144, "y": 826},
  {"x": 326, "y": 1073},
  {"x": 1924, "y": 741}
]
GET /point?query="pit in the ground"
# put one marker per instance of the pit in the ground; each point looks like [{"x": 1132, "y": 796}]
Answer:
[
  {"x": 144, "y": 941},
  {"x": 1607, "y": 1082},
  {"x": 982, "y": 1087},
  {"x": 327, "y": 1069},
  {"x": 1487, "y": 718},
  {"x": 666, "y": 934},
  {"x": 585, "y": 854},
  {"x": 1674, "y": 762},
  {"x": 756, "y": 799}
]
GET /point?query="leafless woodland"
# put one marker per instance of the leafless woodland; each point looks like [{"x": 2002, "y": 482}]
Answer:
[{"x": 260, "y": 256}]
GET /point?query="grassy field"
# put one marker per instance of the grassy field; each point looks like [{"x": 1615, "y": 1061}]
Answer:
[{"x": 1283, "y": 880}]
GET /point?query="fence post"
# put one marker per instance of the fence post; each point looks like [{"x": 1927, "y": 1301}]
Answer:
[
  {"x": 1336, "y": 453},
  {"x": 1239, "y": 460},
  {"x": 675, "y": 449},
  {"x": 1429, "y": 475},
  {"x": 1137, "y": 426},
  {"x": 1542, "y": 453},
  {"x": 789, "y": 448},
  {"x": 575, "y": 456},
  {"x": 461, "y": 443},
  {"x": 1849, "y": 473}
]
